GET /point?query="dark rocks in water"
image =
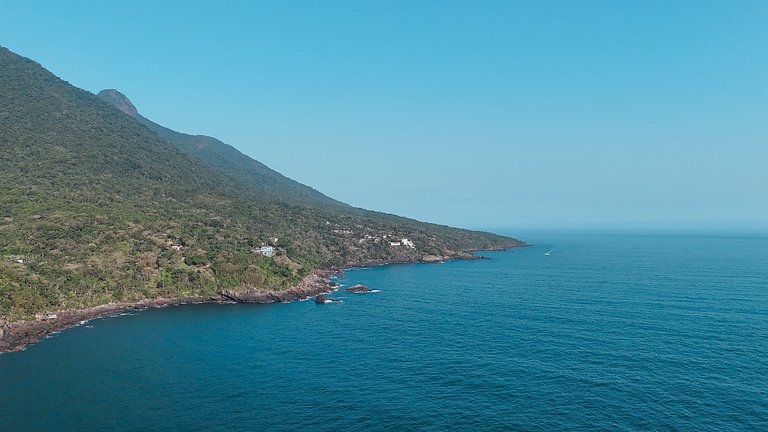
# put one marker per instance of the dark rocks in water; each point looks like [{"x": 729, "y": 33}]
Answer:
[
  {"x": 320, "y": 299},
  {"x": 358, "y": 289}
]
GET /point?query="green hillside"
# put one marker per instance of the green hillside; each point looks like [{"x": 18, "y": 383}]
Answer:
[
  {"x": 226, "y": 159},
  {"x": 97, "y": 205}
]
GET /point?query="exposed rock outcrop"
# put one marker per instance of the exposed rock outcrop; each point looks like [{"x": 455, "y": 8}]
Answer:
[
  {"x": 358, "y": 289},
  {"x": 312, "y": 285},
  {"x": 431, "y": 258}
]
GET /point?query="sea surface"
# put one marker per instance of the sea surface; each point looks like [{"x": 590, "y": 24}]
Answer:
[{"x": 584, "y": 331}]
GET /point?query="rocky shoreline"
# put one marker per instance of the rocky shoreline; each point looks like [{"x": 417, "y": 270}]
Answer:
[{"x": 14, "y": 336}]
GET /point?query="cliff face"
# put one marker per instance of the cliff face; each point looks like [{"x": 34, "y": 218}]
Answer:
[{"x": 102, "y": 207}]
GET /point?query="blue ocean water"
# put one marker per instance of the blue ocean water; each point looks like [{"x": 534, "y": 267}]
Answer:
[{"x": 605, "y": 332}]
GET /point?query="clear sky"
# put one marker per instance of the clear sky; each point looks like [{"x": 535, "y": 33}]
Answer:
[{"x": 495, "y": 114}]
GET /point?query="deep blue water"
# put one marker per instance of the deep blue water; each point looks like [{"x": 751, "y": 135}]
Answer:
[{"x": 610, "y": 332}]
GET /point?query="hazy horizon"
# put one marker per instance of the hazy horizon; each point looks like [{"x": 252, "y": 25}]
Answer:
[{"x": 498, "y": 115}]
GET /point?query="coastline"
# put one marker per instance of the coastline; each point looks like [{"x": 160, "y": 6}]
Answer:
[{"x": 16, "y": 335}]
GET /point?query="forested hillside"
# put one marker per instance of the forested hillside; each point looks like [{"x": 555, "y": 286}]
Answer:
[{"x": 95, "y": 207}]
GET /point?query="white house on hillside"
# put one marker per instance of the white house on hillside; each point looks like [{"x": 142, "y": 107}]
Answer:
[{"x": 403, "y": 242}]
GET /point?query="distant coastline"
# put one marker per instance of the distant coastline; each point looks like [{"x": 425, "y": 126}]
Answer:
[{"x": 15, "y": 336}]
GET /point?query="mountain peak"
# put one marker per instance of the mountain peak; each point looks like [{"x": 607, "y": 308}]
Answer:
[{"x": 119, "y": 100}]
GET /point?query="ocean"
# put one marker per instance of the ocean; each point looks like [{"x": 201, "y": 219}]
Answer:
[{"x": 584, "y": 331}]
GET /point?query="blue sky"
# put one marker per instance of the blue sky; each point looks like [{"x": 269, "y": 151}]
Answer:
[{"x": 479, "y": 114}]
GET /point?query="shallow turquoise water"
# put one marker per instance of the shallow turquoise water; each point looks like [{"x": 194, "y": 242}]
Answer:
[{"x": 611, "y": 332}]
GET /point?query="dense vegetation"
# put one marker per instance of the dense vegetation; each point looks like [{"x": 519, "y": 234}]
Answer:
[{"x": 95, "y": 207}]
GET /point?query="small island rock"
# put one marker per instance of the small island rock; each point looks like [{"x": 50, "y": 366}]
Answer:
[{"x": 358, "y": 289}]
